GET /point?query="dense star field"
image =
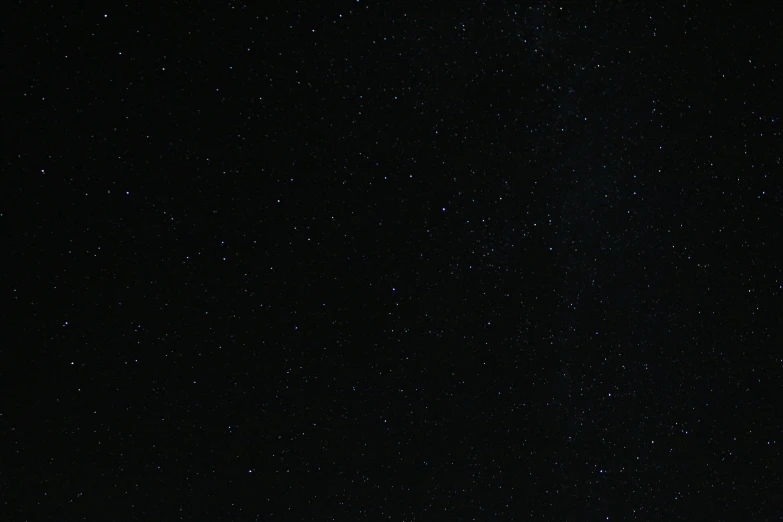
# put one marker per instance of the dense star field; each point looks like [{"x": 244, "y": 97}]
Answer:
[{"x": 372, "y": 261}]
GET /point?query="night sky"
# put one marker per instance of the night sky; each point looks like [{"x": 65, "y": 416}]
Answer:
[{"x": 450, "y": 261}]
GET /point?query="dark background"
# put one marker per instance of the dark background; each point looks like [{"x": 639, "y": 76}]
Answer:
[{"x": 364, "y": 261}]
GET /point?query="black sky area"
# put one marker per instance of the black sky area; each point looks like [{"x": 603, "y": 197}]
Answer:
[{"x": 456, "y": 261}]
